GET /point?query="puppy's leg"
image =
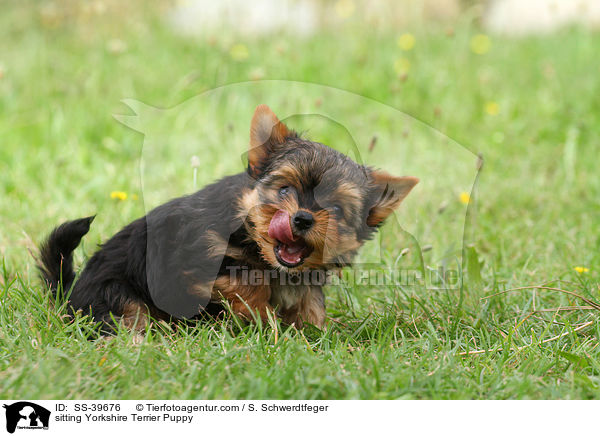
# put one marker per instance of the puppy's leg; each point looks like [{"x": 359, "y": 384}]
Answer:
[
  {"x": 289, "y": 316},
  {"x": 312, "y": 307},
  {"x": 115, "y": 303},
  {"x": 299, "y": 305},
  {"x": 245, "y": 300},
  {"x": 136, "y": 315}
]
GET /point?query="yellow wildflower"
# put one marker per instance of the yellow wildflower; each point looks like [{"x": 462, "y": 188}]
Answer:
[
  {"x": 402, "y": 66},
  {"x": 406, "y": 41},
  {"x": 102, "y": 360},
  {"x": 491, "y": 108},
  {"x": 344, "y": 8},
  {"x": 118, "y": 195},
  {"x": 239, "y": 52},
  {"x": 581, "y": 269},
  {"x": 480, "y": 44},
  {"x": 464, "y": 197}
]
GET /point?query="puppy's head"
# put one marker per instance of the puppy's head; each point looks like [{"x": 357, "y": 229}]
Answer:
[{"x": 311, "y": 207}]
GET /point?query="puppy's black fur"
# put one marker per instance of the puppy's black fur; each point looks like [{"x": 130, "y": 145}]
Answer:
[{"x": 117, "y": 275}]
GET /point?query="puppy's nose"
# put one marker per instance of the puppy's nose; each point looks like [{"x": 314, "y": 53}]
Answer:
[{"x": 303, "y": 220}]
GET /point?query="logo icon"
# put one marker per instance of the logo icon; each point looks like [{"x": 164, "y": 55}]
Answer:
[{"x": 26, "y": 415}]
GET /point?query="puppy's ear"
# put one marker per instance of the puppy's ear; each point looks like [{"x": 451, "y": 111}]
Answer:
[
  {"x": 388, "y": 193},
  {"x": 267, "y": 135}
]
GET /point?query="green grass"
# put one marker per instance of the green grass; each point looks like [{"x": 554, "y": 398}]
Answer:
[{"x": 535, "y": 218}]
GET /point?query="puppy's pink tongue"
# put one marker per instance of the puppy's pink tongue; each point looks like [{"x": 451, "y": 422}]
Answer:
[{"x": 280, "y": 228}]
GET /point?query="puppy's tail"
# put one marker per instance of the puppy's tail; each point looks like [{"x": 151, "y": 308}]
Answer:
[{"x": 56, "y": 253}]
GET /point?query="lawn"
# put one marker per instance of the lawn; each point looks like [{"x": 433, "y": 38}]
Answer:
[{"x": 528, "y": 106}]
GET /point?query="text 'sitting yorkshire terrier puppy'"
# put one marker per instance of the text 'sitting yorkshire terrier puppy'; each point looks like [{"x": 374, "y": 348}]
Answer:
[{"x": 300, "y": 206}]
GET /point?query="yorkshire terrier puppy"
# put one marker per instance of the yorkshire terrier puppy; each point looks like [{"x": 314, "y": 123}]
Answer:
[{"x": 300, "y": 207}]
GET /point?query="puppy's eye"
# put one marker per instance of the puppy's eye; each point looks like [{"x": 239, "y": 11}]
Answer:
[
  {"x": 337, "y": 209},
  {"x": 285, "y": 191}
]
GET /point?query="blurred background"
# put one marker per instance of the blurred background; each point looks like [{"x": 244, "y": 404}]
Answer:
[
  {"x": 103, "y": 103},
  {"x": 514, "y": 81}
]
